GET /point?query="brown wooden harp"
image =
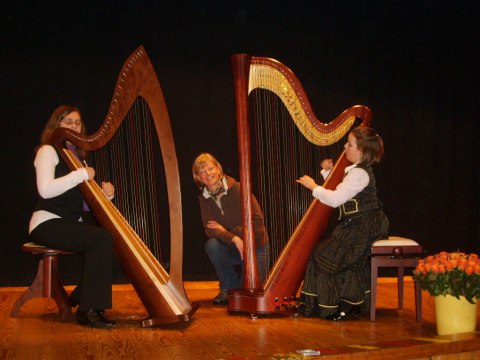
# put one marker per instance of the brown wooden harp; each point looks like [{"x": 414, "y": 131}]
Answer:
[
  {"x": 138, "y": 111},
  {"x": 265, "y": 91}
]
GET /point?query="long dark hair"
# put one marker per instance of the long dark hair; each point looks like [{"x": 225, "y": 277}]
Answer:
[{"x": 54, "y": 123}]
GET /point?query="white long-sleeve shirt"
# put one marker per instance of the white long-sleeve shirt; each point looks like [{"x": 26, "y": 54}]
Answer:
[
  {"x": 48, "y": 186},
  {"x": 355, "y": 180}
]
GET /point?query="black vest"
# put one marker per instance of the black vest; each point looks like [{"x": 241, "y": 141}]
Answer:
[
  {"x": 68, "y": 205},
  {"x": 365, "y": 201}
]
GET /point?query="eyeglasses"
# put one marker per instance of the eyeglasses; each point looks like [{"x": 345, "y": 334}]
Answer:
[{"x": 69, "y": 121}]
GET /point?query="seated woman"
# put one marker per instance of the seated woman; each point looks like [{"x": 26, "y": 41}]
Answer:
[{"x": 58, "y": 221}]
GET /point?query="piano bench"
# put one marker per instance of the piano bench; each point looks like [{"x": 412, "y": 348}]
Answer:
[{"x": 400, "y": 253}]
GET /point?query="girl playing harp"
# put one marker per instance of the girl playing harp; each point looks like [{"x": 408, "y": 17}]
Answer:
[{"x": 337, "y": 278}]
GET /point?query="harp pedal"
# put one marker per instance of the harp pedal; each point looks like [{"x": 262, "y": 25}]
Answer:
[{"x": 276, "y": 305}]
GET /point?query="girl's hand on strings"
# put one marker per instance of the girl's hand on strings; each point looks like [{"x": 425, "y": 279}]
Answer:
[
  {"x": 308, "y": 182},
  {"x": 327, "y": 164}
]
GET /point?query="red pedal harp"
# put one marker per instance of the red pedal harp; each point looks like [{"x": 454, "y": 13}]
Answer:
[{"x": 279, "y": 140}]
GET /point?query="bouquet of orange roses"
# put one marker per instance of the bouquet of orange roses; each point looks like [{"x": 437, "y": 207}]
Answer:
[{"x": 455, "y": 273}]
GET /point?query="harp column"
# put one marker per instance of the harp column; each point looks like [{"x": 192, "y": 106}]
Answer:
[{"x": 241, "y": 69}]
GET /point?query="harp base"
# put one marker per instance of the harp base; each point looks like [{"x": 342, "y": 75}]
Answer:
[
  {"x": 164, "y": 320},
  {"x": 257, "y": 302}
]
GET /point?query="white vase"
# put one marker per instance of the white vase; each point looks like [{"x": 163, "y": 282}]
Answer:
[{"x": 455, "y": 315}]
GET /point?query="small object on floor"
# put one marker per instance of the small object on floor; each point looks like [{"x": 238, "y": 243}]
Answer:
[
  {"x": 308, "y": 352},
  {"x": 351, "y": 313},
  {"x": 221, "y": 298},
  {"x": 94, "y": 318}
]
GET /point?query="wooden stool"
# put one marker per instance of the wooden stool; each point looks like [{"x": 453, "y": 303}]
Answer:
[
  {"x": 46, "y": 282},
  {"x": 400, "y": 253}
]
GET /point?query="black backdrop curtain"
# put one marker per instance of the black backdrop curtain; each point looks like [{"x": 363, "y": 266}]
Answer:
[{"x": 412, "y": 62}]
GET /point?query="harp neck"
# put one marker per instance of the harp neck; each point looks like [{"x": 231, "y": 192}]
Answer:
[
  {"x": 270, "y": 74},
  {"x": 137, "y": 78}
]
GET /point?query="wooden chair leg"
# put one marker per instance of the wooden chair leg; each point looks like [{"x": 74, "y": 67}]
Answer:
[
  {"x": 401, "y": 273},
  {"x": 35, "y": 290},
  {"x": 57, "y": 292},
  {"x": 46, "y": 284},
  {"x": 373, "y": 288}
]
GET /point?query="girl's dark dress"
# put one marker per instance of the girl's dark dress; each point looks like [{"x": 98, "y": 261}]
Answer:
[{"x": 338, "y": 273}]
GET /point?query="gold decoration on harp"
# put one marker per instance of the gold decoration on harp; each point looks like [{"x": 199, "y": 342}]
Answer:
[{"x": 270, "y": 78}]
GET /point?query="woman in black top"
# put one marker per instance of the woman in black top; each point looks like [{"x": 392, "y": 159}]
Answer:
[{"x": 59, "y": 221}]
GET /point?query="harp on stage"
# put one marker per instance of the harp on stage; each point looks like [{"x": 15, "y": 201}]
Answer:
[
  {"x": 279, "y": 140},
  {"x": 134, "y": 149}
]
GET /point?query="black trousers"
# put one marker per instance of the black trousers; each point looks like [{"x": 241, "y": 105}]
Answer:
[{"x": 96, "y": 245}]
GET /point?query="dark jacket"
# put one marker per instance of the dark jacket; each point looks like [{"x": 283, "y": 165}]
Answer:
[{"x": 230, "y": 215}]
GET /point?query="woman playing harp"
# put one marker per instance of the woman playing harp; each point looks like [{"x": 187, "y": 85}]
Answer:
[
  {"x": 60, "y": 221},
  {"x": 280, "y": 139},
  {"x": 137, "y": 140}
]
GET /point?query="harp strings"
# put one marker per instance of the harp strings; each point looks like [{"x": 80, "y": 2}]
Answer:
[
  {"x": 282, "y": 154},
  {"x": 128, "y": 161}
]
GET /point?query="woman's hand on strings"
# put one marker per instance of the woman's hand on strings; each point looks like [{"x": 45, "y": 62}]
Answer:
[
  {"x": 90, "y": 172},
  {"x": 108, "y": 189}
]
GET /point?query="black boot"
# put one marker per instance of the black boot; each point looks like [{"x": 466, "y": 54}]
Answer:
[
  {"x": 349, "y": 314},
  {"x": 221, "y": 298},
  {"x": 94, "y": 318}
]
